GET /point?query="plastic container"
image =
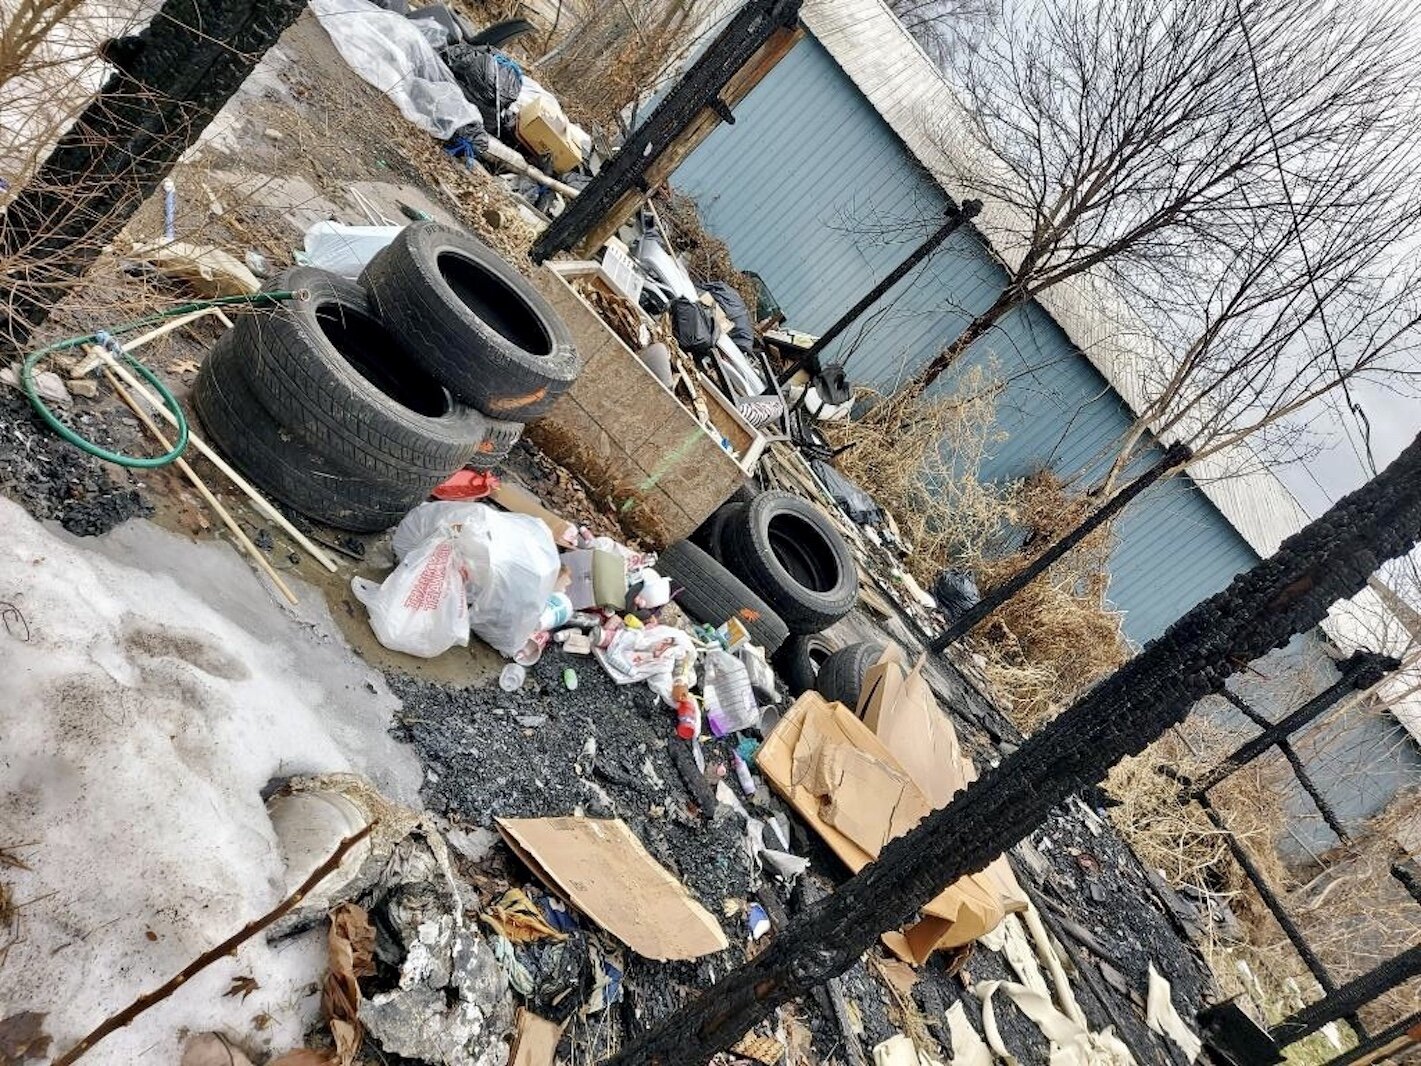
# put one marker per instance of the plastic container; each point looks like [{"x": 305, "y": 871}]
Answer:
[{"x": 512, "y": 677}]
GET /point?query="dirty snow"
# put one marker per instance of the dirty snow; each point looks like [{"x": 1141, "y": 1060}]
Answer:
[{"x": 160, "y": 690}]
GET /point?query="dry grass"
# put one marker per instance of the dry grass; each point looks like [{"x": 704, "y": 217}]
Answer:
[
  {"x": 604, "y": 58},
  {"x": 1056, "y": 637}
]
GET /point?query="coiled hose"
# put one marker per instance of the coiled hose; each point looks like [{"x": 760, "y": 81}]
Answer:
[{"x": 106, "y": 338}]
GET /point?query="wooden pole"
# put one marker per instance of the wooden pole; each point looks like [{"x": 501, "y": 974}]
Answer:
[
  {"x": 182, "y": 464},
  {"x": 258, "y": 500},
  {"x": 1175, "y": 455}
]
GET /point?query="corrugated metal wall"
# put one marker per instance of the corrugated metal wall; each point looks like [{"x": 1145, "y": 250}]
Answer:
[{"x": 811, "y": 189}]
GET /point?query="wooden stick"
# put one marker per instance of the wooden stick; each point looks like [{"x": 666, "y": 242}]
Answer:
[
  {"x": 258, "y": 500},
  {"x": 169, "y": 326},
  {"x": 228, "y": 947},
  {"x": 242, "y": 539}
]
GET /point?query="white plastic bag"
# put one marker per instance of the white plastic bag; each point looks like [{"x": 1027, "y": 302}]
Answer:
[
  {"x": 422, "y": 607},
  {"x": 654, "y": 655},
  {"x": 345, "y": 250},
  {"x": 391, "y": 53},
  {"x": 510, "y": 564}
]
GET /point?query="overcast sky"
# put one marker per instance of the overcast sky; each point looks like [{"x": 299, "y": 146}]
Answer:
[{"x": 1319, "y": 481}]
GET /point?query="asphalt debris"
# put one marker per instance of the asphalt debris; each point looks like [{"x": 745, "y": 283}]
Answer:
[{"x": 54, "y": 480}]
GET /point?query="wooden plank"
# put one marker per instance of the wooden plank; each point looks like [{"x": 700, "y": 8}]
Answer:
[{"x": 739, "y": 86}]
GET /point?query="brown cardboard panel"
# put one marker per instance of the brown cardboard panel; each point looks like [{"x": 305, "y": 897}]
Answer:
[
  {"x": 518, "y": 499},
  {"x": 603, "y": 870},
  {"x": 800, "y": 763},
  {"x": 535, "y": 1040}
]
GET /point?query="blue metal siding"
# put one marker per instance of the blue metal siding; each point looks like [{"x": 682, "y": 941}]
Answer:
[{"x": 812, "y": 190}]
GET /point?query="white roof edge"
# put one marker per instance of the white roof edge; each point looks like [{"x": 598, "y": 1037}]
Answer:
[{"x": 907, "y": 88}]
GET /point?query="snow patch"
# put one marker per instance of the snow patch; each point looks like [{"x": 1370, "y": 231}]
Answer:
[{"x": 161, "y": 689}]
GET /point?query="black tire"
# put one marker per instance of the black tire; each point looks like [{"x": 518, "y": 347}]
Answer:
[
  {"x": 472, "y": 321},
  {"x": 329, "y": 371},
  {"x": 707, "y": 535},
  {"x": 710, "y": 593},
  {"x": 281, "y": 463},
  {"x": 783, "y": 548},
  {"x": 841, "y": 676},
  {"x": 800, "y": 659}
]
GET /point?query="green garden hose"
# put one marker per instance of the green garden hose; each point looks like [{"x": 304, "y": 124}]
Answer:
[{"x": 105, "y": 337}]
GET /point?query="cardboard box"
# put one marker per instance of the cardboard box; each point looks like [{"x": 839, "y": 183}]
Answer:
[
  {"x": 544, "y": 129},
  {"x": 851, "y": 789}
]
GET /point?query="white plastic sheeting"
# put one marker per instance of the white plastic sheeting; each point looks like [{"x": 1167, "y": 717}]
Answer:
[{"x": 391, "y": 53}]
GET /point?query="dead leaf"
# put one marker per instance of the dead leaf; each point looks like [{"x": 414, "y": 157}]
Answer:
[
  {"x": 517, "y": 917},
  {"x": 897, "y": 974},
  {"x": 213, "y": 1049},
  {"x": 241, "y": 986},
  {"x": 22, "y": 1036},
  {"x": 184, "y": 366},
  {"x": 351, "y": 947},
  {"x": 8, "y": 858}
]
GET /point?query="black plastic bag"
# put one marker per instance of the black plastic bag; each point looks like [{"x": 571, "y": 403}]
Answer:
[
  {"x": 955, "y": 593},
  {"x": 852, "y": 500},
  {"x": 693, "y": 326},
  {"x": 731, "y": 302},
  {"x": 490, "y": 80}
]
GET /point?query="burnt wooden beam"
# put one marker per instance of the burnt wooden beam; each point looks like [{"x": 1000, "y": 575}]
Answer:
[
  {"x": 169, "y": 82},
  {"x": 1262, "y": 609},
  {"x": 753, "y": 41},
  {"x": 1176, "y": 455}
]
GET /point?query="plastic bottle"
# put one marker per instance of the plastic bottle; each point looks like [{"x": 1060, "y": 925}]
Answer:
[
  {"x": 688, "y": 714},
  {"x": 742, "y": 772},
  {"x": 512, "y": 678}
]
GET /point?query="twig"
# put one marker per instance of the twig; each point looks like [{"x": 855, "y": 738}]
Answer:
[
  {"x": 10, "y": 615},
  {"x": 228, "y": 947},
  {"x": 212, "y": 501},
  {"x": 260, "y": 502}
]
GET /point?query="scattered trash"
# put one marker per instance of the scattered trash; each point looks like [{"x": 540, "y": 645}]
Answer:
[
  {"x": 968, "y": 1047},
  {"x": 850, "y": 789},
  {"x": 900, "y": 1050},
  {"x": 743, "y": 775},
  {"x": 569, "y": 679},
  {"x": 1072, "y": 1043},
  {"x": 518, "y": 918},
  {"x": 730, "y": 700},
  {"x": 209, "y": 272},
  {"x": 422, "y": 608},
  {"x": 608, "y": 875},
  {"x": 535, "y": 1040},
  {"x": 343, "y": 249},
  {"x": 390, "y": 53},
  {"x": 757, "y": 921},
  {"x": 763, "y": 1049},
  {"x": 463, "y": 566},
  {"x": 656, "y": 655}
]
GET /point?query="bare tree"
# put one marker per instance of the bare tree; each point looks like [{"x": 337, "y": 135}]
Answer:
[
  {"x": 166, "y": 84},
  {"x": 1301, "y": 304},
  {"x": 1132, "y": 142},
  {"x": 946, "y": 27}
]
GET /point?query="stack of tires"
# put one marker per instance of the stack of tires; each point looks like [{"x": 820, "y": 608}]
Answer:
[
  {"x": 353, "y": 401},
  {"x": 777, "y": 563}
]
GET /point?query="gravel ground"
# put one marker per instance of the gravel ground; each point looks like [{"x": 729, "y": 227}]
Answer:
[{"x": 55, "y": 480}]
